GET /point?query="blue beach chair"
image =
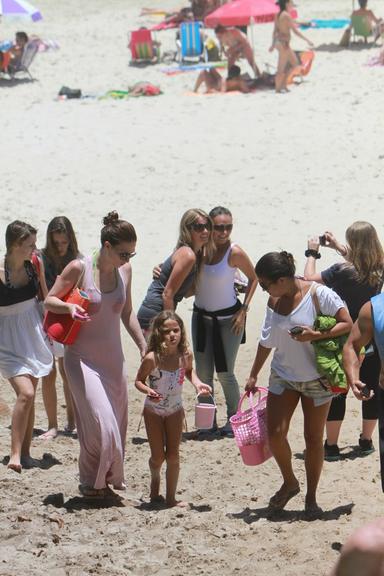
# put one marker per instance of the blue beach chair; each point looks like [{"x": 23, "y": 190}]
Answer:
[{"x": 191, "y": 44}]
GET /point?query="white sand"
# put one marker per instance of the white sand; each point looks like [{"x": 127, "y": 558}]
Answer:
[{"x": 287, "y": 166}]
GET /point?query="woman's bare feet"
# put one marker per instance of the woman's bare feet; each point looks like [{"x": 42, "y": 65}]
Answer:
[
  {"x": 179, "y": 503},
  {"x": 14, "y": 464},
  {"x": 312, "y": 511},
  {"x": 48, "y": 435}
]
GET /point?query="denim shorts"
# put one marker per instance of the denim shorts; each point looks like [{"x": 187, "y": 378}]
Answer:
[{"x": 318, "y": 389}]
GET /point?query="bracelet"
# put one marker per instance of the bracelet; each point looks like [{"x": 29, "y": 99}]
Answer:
[{"x": 314, "y": 253}]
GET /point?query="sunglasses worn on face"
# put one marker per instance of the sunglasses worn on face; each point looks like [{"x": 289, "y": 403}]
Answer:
[
  {"x": 126, "y": 255},
  {"x": 197, "y": 227},
  {"x": 223, "y": 227},
  {"x": 266, "y": 285}
]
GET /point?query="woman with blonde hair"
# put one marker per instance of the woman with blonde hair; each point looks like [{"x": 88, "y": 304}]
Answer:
[
  {"x": 356, "y": 280},
  {"x": 180, "y": 270}
]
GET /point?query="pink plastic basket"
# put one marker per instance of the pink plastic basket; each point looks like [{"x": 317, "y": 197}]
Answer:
[{"x": 250, "y": 429}]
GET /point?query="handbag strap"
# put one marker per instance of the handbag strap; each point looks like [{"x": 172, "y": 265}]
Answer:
[
  {"x": 260, "y": 389},
  {"x": 315, "y": 298}
]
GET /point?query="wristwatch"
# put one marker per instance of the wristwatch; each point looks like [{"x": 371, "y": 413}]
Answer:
[{"x": 313, "y": 253}]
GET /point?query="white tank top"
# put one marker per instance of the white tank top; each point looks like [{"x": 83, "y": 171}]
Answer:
[{"x": 215, "y": 288}]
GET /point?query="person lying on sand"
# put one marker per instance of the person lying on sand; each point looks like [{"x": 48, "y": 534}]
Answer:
[
  {"x": 235, "y": 45},
  {"x": 363, "y": 552},
  {"x": 214, "y": 82}
]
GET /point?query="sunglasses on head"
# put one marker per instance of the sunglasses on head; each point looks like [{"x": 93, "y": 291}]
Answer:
[
  {"x": 223, "y": 227},
  {"x": 197, "y": 227}
]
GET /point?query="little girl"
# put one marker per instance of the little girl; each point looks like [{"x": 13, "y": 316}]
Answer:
[{"x": 167, "y": 361}]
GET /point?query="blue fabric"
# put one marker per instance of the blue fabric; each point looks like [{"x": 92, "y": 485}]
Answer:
[
  {"x": 332, "y": 23},
  {"x": 378, "y": 323},
  {"x": 190, "y": 37}
]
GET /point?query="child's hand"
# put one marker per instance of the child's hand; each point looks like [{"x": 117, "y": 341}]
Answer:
[
  {"x": 153, "y": 395},
  {"x": 203, "y": 389}
]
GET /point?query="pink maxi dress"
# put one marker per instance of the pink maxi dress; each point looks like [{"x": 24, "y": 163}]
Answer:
[{"x": 97, "y": 379}]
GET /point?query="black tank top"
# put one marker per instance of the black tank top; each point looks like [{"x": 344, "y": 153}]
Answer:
[{"x": 10, "y": 295}]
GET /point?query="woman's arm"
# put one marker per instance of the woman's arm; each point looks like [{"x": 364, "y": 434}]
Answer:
[
  {"x": 310, "y": 265},
  {"x": 183, "y": 261},
  {"x": 260, "y": 358},
  {"x": 190, "y": 373},
  {"x": 128, "y": 315},
  {"x": 41, "y": 275},
  {"x": 147, "y": 365},
  {"x": 64, "y": 283},
  {"x": 239, "y": 259},
  {"x": 295, "y": 30},
  {"x": 361, "y": 334}
]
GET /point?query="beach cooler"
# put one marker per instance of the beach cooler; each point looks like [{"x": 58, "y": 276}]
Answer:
[{"x": 250, "y": 429}]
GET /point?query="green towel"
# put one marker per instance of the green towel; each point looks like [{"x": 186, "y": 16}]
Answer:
[{"x": 329, "y": 360}]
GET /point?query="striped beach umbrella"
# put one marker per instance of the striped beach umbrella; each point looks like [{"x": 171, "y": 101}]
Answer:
[{"x": 19, "y": 8}]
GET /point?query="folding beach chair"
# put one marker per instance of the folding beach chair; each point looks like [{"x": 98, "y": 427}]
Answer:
[
  {"x": 306, "y": 59},
  {"x": 142, "y": 47},
  {"x": 361, "y": 27},
  {"x": 190, "y": 44},
  {"x": 30, "y": 50}
]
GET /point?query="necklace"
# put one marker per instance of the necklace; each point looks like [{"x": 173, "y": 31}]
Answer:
[{"x": 7, "y": 273}]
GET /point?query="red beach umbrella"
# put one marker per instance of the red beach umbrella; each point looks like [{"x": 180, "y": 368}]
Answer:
[{"x": 244, "y": 13}]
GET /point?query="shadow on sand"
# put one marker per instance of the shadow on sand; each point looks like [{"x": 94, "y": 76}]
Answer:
[{"x": 254, "y": 515}]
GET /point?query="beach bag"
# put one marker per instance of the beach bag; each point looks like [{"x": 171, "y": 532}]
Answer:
[
  {"x": 62, "y": 327},
  {"x": 328, "y": 352},
  {"x": 346, "y": 38},
  {"x": 250, "y": 429},
  {"x": 70, "y": 93}
]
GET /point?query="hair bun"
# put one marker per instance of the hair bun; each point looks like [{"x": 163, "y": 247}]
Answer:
[
  {"x": 110, "y": 218},
  {"x": 288, "y": 257}
]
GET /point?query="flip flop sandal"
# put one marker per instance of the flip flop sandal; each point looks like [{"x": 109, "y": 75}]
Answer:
[
  {"x": 89, "y": 492},
  {"x": 282, "y": 497}
]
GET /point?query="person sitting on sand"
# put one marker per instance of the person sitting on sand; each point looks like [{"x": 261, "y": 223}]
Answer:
[
  {"x": 376, "y": 24},
  {"x": 281, "y": 38},
  {"x": 235, "y": 45},
  {"x": 214, "y": 82}
]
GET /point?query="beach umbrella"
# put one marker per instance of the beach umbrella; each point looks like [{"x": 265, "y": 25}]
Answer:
[
  {"x": 19, "y": 8},
  {"x": 243, "y": 13}
]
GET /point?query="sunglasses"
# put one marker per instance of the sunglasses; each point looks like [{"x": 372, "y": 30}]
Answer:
[
  {"x": 266, "y": 285},
  {"x": 126, "y": 255},
  {"x": 223, "y": 227},
  {"x": 197, "y": 227}
]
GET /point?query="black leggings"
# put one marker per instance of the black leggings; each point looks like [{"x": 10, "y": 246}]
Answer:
[{"x": 369, "y": 374}]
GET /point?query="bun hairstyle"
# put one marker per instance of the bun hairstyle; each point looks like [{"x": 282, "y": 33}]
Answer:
[
  {"x": 116, "y": 231},
  {"x": 156, "y": 336},
  {"x": 275, "y": 265},
  {"x": 16, "y": 232}
]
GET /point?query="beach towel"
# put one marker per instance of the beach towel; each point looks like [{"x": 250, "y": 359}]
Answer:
[
  {"x": 138, "y": 89},
  {"x": 335, "y": 23},
  {"x": 329, "y": 355},
  {"x": 182, "y": 68}
]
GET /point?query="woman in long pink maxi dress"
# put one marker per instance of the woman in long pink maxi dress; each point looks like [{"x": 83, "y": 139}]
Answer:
[{"x": 95, "y": 362}]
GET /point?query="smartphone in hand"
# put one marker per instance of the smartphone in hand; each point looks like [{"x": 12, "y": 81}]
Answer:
[{"x": 296, "y": 330}]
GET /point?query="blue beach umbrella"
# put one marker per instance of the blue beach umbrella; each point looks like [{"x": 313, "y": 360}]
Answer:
[{"x": 19, "y": 8}]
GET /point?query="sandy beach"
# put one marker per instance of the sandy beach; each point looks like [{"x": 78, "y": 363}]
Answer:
[{"x": 287, "y": 166}]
